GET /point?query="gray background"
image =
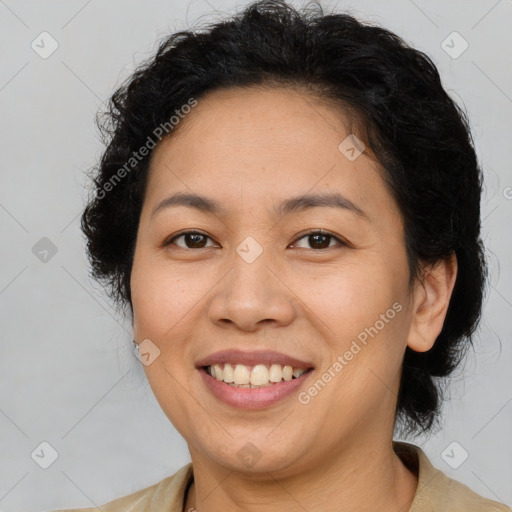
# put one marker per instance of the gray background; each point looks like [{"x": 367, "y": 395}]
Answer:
[{"x": 68, "y": 374}]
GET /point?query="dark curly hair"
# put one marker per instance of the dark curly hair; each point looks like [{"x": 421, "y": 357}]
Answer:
[{"x": 400, "y": 110}]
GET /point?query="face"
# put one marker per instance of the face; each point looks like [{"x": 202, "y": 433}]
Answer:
[{"x": 322, "y": 288}]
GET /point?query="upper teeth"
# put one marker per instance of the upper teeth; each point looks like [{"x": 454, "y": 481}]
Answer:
[{"x": 260, "y": 375}]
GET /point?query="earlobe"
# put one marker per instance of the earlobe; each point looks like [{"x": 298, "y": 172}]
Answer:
[{"x": 431, "y": 298}]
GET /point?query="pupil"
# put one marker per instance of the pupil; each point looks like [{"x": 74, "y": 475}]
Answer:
[
  {"x": 194, "y": 237},
  {"x": 323, "y": 245}
]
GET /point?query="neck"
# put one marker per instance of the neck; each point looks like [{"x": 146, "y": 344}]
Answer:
[{"x": 360, "y": 477}]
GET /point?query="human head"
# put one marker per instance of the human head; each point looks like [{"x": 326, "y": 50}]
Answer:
[{"x": 393, "y": 101}]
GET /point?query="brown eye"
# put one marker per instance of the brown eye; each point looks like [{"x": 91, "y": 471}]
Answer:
[
  {"x": 192, "y": 240},
  {"x": 320, "y": 240},
  {"x": 196, "y": 240}
]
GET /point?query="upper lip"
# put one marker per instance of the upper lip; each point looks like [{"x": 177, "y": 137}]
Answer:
[{"x": 252, "y": 358}]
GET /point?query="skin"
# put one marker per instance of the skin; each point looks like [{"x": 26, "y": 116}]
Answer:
[{"x": 249, "y": 149}]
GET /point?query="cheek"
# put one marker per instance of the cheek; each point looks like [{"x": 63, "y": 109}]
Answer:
[
  {"x": 363, "y": 319},
  {"x": 350, "y": 298},
  {"x": 161, "y": 297}
]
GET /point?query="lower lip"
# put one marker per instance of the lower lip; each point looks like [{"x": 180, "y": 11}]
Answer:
[{"x": 255, "y": 398}]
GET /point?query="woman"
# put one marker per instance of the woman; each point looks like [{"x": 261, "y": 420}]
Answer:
[{"x": 289, "y": 206}]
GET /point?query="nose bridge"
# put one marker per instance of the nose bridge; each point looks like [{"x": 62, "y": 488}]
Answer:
[
  {"x": 251, "y": 292},
  {"x": 251, "y": 276}
]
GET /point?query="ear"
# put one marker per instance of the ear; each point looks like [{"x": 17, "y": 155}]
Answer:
[{"x": 431, "y": 298}]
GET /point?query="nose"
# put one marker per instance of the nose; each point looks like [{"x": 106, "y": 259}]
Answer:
[{"x": 252, "y": 294}]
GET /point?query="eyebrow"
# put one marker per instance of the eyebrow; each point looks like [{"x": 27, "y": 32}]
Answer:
[{"x": 301, "y": 202}]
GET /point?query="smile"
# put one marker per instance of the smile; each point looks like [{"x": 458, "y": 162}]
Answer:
[
  {"x": 257, "y": 376},
  {"x": 249, "y": 396}
]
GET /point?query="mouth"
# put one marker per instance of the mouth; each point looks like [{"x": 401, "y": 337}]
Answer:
[
  {"x": 254, "y": 376},
  {"x": 252, "y": 380}
]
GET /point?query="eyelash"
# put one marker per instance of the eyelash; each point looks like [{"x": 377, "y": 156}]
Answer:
[{"x": 303, "y": 235}]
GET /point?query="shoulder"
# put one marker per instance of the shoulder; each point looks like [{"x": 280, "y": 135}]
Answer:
[
  {"x": 437, "y": 492},
  {"x": 168, "y": 493}
]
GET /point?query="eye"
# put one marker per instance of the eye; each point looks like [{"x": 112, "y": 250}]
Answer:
[
  {"x": 317, "y": 238},
  {"x": 320, "y": 239},
  {"x": 192, "y": 240}
]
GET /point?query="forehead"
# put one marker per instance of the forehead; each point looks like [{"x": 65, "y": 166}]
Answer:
[
  {"x": 263, "y": 143},
  {"x": 252, "y": 116}
]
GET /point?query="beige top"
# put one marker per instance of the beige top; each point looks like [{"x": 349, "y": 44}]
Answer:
[{"x": 435, "y": 493}]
